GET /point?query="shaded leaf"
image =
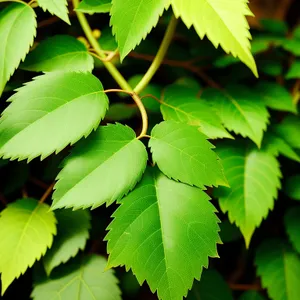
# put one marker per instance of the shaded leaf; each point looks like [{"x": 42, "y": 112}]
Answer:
[
  {"x": 88, "y": 281},
  {"x": 174, "y": 244},
  {"x": 294, "y": 71},
  {"x": 292, "y": 226},
  {"x": 72, "y": 234},
  {"x": 114, "y": 161},
  {"x": 31, "y": 227},
  {"x": 292, "y": 187},
  {"x": 277, "y": 27},
  {"x": 292, "y": 46},
  {"x": 51, "y": 112},
  {"x": 120, "y": 112},
  {"x": 94, "y": 6},
  {"x": 17, "y": 31},
  {"x": 196, "y": 163},
  {"x": 251, "y": 295},
  {"x": 229, "y": 232},
  {"x": 288, "y": 129},
  {"x": 59, "y": 53}
]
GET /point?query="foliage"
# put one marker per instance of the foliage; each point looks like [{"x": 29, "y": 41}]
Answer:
[{"x": 188, "y": 149}]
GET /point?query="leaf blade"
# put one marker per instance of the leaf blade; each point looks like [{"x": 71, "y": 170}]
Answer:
[{"x": 56, "y": 7}]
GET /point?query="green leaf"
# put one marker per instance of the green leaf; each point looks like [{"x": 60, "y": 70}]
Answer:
[
  {"x": 190, "y": 83},
  {"x": 56, "y": 7},
  {"x": 292, "y": 46},
  {"x": 276, "y": 96},
  {"x": 223, "y": 22},
  {"x": 120, "y": 112},
  {"x": 153, "y": 89},
  {"x": 279, "y": 268},
  {"x": 174, "y": 244},
  {"x": 17, "y": 31},
  {"x": 181, "y": 105},
  {"x": 292, "y": 187},
  {"x": 274, "y": 26},
  {"x": 26, "y": 231},
  {"x": 251, "y": 295},
  {"x": 240, "y": 111},
  {"x": 294, "y": 71},
  {"x": 72, "y": 234},
  {"x": 51, "y": 112},
  {"x": 88, "y": 281},
  {"x": 271, "y": 67},
  {"x": 134, "y": 25},
  {"x": 212, "y": 286},
  {"x": 59, "y": 53},
  {"x": 296, "y": 32},
  {"x": 114, "y": 161},
  {"x": 94, "y": 6},
  {"x": 254, "y": 177},
  {"x": 196, "y": 163},
  {"x": 292, "y": 226},
  {"x": 288, "y": 129},
  {"x": 275, "y": 145}
]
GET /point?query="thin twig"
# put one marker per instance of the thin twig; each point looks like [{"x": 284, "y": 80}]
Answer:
[
  {"x": 24, "y": 192},
  {"x": 47, "y": 193},
  {"x": 119, "y": 91},
  {"x": 151, "y": 96},
  {"x": 38, "y": 182}
]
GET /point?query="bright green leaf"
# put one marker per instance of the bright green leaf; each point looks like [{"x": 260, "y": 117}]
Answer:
[
  {"x": 17, "y": 31},
  {"x": 292, "y": 187},
  {"x": 88, "y": 281},
  {"x": 114, "y": 161},
  {"x": 56, "y": 7},
  {"x": 294, "y": 71},
  {"x": 174, "y": 243},
  {"x": 212, "y": 286},
  {"x": 196, "y": 162},
  {"x": 254, "y": 177},
  {"x": 251, "y": 295},
  {"x": 134, "y": 25},
  {"x": 279, "y": 268},
  {"x": 288, "y": 129},
  {"x": 275, "y": 96},
  {"x": 26, "y": 231},
  {"x": 59, "y": 53},
  {"x": 292, "y": 226},
  {"x": 72, "y": 234},
  {"x": 275, "y": 145},
  {"x": 94, "y": 6},
  {"x": 181, "y": 105},
  {"x": 240, "y": 111},
  {"x": 51, "y": 112},
  {"x": 223, "y": 22}
]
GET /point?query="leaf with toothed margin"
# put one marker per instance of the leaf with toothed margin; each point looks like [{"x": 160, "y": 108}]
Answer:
[
  {"x": 31, "y": 226},
  {"x": 164, "y": 231},
  {"x": 56, "y": 7},
  {"x": 49, "y": 113},
  {"x": 134, "y": 25},
  {"x": 292, "y": 226},
  {"x": 72, "y": 234},
  {"x": 254, "y": 177},
  {"x": 240, "y": 110},
  {"x": 17, "y": 32},
  {"x": 101, "y": 169},
  {"x": 183, "y": 153}
]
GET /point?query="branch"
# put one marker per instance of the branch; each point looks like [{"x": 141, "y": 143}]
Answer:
[{"x": 47, "y": 193}]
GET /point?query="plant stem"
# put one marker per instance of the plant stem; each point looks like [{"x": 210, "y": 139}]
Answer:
[
  {"x": 114, "y": 72},
  {"x": 47, "y": 193},
  {"x": 159, "y": 56}
]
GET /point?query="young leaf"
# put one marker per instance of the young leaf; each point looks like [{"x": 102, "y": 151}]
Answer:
[
  {"x": 292, "y": 225},
  {"x": 174, "y": 244},
  {"x": 251, "y": 295},
  {"x": 88, "y": 281},
  {"x": 279, "y": 268},
  {"x": 181, "y": 105},
  {"x": 56, "y": 7},
  {"x": 72, "y": 234},
  {"x": 276, "y": 96},
  {"x": 134, "y": 25},
  {"x": 211, "y": 286},
  {"x": 294, "y": 71},
  {"x": 240, "y": 111},
  {"x": 17, "y": 31},
  {"x": 254, "y": 177},
  {"x": 196, "y": 162},
  {"x": 292, "y": 187},
  {"x": 59, "y": 53},
  {"x": 26, "y": 231},
  {"x": 114, "y": 161},
  {"x": 275, "y": 145},
  {"x": 94, "y": 6},
  {"x": 223, "y": 22},
  {"x": 288, "y": 129},
  {"x": 51, "y": 112}
]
